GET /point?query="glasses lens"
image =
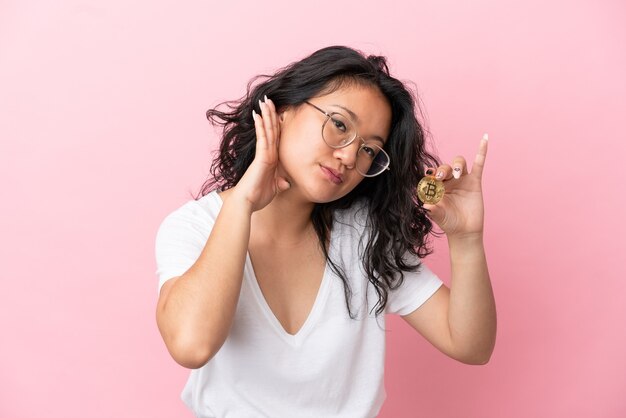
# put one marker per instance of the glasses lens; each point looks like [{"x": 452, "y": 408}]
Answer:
[
  {"x": 371, "y": 160},
  {"x": 338, "y": 131}
]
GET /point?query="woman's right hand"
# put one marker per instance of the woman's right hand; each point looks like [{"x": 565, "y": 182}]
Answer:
[{"x": 261, "y": 183}]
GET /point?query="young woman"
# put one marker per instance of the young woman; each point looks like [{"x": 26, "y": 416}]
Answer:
[{"x": 267, "y": 280}]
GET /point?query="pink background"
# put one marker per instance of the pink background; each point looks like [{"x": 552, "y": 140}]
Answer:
[{"x": 103, "y": 133}]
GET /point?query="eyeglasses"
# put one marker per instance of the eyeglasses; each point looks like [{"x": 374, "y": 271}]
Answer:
[{"x": 371, "y": 160}]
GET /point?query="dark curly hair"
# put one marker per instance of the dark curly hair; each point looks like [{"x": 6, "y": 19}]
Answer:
[{"x": 396, "y": 219}]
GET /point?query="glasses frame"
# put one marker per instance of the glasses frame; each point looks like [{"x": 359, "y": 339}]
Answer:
[{"x": 356, "y": 135}]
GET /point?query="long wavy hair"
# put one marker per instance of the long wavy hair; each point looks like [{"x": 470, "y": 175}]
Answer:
[{"x": 395, "y": 218}]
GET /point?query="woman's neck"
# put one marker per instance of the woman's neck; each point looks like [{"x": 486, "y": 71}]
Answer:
[{"x": 285, "y": 221}]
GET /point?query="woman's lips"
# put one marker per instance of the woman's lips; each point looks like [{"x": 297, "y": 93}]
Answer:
[{"x": 330, "y": 175}]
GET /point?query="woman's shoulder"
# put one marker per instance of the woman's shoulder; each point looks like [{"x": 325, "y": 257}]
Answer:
[{"x": 205, "y": 208}]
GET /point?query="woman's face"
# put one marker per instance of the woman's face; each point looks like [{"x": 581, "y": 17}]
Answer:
[{"x": 308, "y": 163}]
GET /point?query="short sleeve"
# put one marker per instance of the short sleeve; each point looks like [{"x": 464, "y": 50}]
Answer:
[
  {"x": 180, "y": 239},
  {"x": 418, "y": 286}
]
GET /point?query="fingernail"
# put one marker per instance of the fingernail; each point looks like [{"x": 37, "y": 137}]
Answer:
[
  {"x": 429, "y": 171},
  {"x": 456, "y": 172},
  {"x": 266, "y": 99},
  {"x": 260, "y": 105},
  {"x": 439, "y": 175},
  {"x": 253, "y": 115},
  {"x": 486, "y": 137}
]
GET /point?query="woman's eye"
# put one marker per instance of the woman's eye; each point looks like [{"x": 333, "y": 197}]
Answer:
[
  {"x": 339, "y": 125},
  {"x": 371, "y": 152}
]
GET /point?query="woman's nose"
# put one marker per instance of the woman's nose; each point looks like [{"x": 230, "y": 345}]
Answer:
[{"x": 348, "y": 154}]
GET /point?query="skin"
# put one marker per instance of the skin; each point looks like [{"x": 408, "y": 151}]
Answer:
[
  {"x": 461, "y": 321},
  {"x": 293, "y": 152},
  {"x": 268, "y": 215},
  {"x": 283, "y": 188}
]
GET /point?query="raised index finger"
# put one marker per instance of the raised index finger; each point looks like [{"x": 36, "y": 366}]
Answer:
[{"x": 479, "y": 161}]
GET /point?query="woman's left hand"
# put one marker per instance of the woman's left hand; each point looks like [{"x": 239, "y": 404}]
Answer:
[{"x": 460, "y": 213}]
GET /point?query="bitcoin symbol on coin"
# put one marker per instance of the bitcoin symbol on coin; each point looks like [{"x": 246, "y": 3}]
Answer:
[{"x": 430, "y": 190}]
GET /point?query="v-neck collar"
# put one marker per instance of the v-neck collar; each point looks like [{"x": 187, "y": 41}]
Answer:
[{"x": 296, "y": 339}]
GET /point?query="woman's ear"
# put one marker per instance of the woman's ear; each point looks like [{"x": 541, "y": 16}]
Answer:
[{"x": 282, "y": 113}]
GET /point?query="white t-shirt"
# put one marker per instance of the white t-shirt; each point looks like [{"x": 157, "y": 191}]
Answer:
[{"x": 332, "y": 367}]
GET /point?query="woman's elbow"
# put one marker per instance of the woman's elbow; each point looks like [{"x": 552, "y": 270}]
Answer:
[
  {"x": 476, "y": 358},
  {"x": 189, "y": 356}
]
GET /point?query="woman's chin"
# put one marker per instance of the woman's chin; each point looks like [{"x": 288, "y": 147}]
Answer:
[
  {"x": 317, "y": 188},
  {"x": 324, "y": 194}
]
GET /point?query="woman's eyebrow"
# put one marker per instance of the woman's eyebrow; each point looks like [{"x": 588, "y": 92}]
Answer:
[
  {"x": 352, "y": 114},
  {"x": 356, "y": 119}
]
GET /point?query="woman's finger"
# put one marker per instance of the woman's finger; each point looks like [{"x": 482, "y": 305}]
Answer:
[
  {"x": 459, "y": 166},
  {"x": 275, "y": 122},
  {"x": 267, "y": 124},
  {"x": 272, "y": 112},
  {"x": 261, "y": 141},
  {"x": 479, "y": 161},
  {"x": 444, "y": 172}
]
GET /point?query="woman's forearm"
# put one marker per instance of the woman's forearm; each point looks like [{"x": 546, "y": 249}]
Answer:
[{"x": 472, "y": 310}]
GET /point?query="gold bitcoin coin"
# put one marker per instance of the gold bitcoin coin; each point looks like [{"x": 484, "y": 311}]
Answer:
[{"x": 430, "y": 190}]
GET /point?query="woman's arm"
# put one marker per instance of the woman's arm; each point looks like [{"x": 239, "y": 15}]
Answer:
[
  {"x": 472, "y": 310},
  {"x": 195, "y": 311},
  {"x": 461, "y": 321}
]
